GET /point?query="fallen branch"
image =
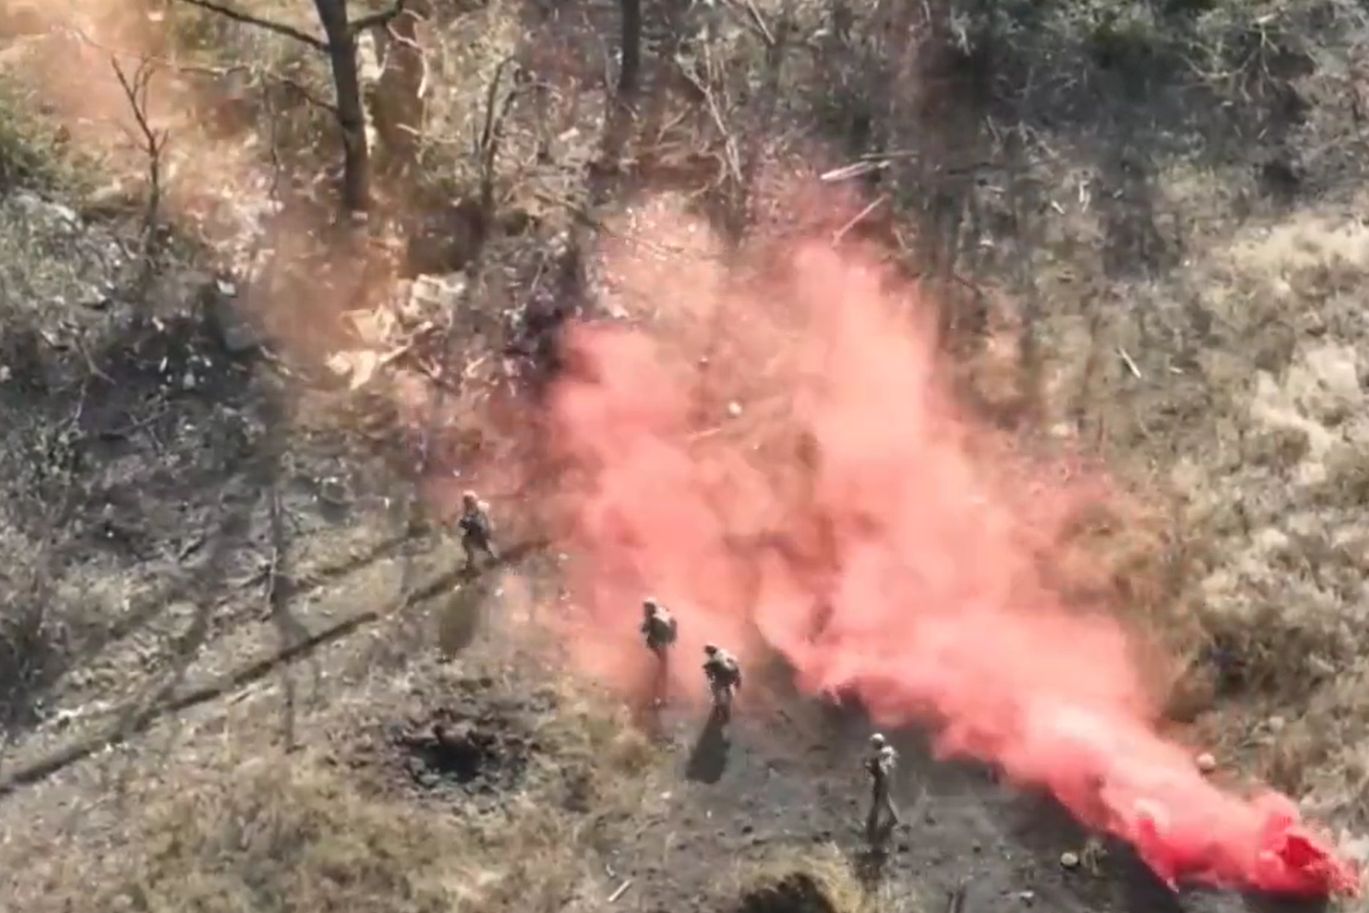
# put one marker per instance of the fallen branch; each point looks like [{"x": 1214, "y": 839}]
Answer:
[
  {"x": 1131, "y": 365},
  {"x": 854, "y": 170},
  {"x": 487, "y": 146},
  {"x": 856, "y": 219},
  {"x": 118, "y": 734},
  {"x": 622, "y": 888}
]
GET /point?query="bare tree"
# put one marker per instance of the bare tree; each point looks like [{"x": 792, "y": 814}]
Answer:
[
  {"x": 340, "y": 44},
  {"x": 351, "y": 117},
  {"x": 153, "y": 143}
]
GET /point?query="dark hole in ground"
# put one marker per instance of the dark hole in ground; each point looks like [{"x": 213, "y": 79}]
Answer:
[
  {"x": 462, "y": 754},
  {"x": 794, "y": 893},
  {"x": 474, "y": 753}
]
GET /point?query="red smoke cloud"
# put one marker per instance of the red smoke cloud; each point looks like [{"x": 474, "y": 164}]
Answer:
[{"x": 849, "y": 516}]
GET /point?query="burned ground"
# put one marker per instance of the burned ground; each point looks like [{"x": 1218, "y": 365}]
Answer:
[{"x": 463, "y": 749}]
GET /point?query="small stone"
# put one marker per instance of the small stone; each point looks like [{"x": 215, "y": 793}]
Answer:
[
  {"x": 1206, "y": 763},
  {"x": 433, "y": 293},
  {"x": 734, "y": 409},
  {"x": 332, "y": 491},
  {"x": 1069, "y": 860},
  {"x": 95, "y": 298}
]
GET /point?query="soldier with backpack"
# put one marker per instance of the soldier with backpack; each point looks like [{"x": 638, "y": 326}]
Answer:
[
  {"x": 477, "y": 533},
  {"x": 659, "y": 631},
  {"x": 880, "y": 764},
  {"x": 724, "y": 680}
]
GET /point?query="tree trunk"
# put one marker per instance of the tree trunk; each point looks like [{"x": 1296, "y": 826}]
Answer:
[
  {"x": 397, "y": 110},
  {"x": 351, "y": 117},
  {"x": 631, "y": 67}
]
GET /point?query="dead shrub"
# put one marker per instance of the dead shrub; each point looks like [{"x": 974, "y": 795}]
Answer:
[{"x": 31, "y": 646}]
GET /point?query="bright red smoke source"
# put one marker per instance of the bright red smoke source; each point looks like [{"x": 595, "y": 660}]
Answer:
[{"x": 777, "y": 461}]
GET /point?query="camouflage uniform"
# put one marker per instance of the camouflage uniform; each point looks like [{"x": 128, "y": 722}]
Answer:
[
  {"x": 724, "y": 680},
  {"x": 477, "y": 533},
  {"x": 880, "y": 765},
  {"x": 659, "y": 631}
]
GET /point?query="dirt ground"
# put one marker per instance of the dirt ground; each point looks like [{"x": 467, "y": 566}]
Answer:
[{"x": 701, "y": 812}]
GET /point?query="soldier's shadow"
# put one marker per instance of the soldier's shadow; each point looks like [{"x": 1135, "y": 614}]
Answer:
[
  {"x": 708, "y": 760},
  {"x": 871, "y": 866}
]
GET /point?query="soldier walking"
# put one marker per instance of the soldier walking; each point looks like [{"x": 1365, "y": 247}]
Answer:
[
  {"x": 724, "y": 680},
  {"x": 880, "y": 764},
  {"x": 660, "y": 631},
  {"x": 477, "y": 533}
]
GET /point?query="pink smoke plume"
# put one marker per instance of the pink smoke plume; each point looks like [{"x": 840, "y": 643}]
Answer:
[{"x": 779, "y": 462}]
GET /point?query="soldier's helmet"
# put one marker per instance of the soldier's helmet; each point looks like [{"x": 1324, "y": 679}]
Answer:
[
  {"x": 650, "y": 606},
  {"x": 469, "y": 498},
  {"x": 710, "y": 649},
  {"x": 877, "y": 740}
]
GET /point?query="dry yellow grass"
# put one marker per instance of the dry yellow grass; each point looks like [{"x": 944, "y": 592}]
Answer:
[
  {"x": 816, "y": 880},
  {"x": 262, "y": 831}
]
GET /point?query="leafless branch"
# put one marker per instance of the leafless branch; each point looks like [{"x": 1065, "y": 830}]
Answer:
[
  {"x": 755, "y": 20},
  {"x": 202, "y": 70},
  {"x": 731, "y": 157},
  {"x": 298, "y": 88},
  {"x": 379, "y": 19},
  {"x": 856, "y": 219},
  {"x": 488, "y": 145},
  {"x": 153, "y": 141},
  {"x": 279, "y": 28}
]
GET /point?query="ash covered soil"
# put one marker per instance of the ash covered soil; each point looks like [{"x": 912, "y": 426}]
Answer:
[
  {"x": 243, "y": 600},
  {"x": 482, "y": 732},
  {"x": 222, "y": 609}
]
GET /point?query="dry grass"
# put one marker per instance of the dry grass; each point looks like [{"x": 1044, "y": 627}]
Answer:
[
  {"x": 256, "y": 829},
  {"x": 1251, "y": 413},
  {"x": 278, "y": 834},
  {"x": 32, "y": 149}
]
